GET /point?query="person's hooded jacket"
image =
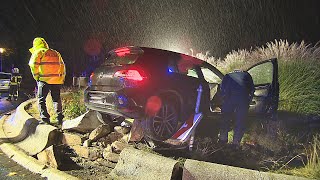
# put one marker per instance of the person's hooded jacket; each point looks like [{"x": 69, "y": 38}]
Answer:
[{"x": 46, "y": 64}]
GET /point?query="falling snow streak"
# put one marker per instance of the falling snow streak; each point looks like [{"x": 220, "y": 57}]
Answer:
[{"x": 217, "y": 26}]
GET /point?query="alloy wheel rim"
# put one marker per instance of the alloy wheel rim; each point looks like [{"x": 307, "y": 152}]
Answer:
[{"x": 165, "y": 121}]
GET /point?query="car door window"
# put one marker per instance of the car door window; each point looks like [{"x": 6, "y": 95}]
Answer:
[
  {"x": 212, "y": 79},
  {"x": 265, "y": 79},
  {"x": 262, "y": 74},
  {"x": 185, "y": 65},
  {"x": 210, "y": 76},
  {"x": 192, "y": 73}
]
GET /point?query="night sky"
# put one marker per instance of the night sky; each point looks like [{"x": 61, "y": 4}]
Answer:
[{"x": 84, "y": 30}]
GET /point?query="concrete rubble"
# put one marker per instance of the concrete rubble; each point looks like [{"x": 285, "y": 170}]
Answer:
[
  {"x": 118, "y": 146},
  {"x": 95, "y": 140},
  {"x": 84, "y": 123},
  {"x": 51, "y": 156},
  {"x": 121, "y": 130},
  {"x": 99, "y": 132},
  {"x": 136, "y": 133},
  {"x": 87, "y": 143},
  {"x": 113, "y": 136},
  {"x": 72, "y": 139},
  {"x": 91, "y": 153},
  {"x": 111, "y": 156}
]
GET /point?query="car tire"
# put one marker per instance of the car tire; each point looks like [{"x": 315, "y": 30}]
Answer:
[{"x": 164, "y": 123}]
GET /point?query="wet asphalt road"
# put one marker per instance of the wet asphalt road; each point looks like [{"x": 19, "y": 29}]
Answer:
[
  {"x": 10, "y": 170},
  {"x": 6, "y": 105}
]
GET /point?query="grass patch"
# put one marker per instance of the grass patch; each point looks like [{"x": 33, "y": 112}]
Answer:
[
  {"x": 300, "y": 86},
  {"x": 72, "y": 105},
  {"x": 312, "y": 168}
]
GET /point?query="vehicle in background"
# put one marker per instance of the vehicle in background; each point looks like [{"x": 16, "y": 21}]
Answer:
[
  {"x": 5, "y": 79},
  {"x": 160, "y": 87}
]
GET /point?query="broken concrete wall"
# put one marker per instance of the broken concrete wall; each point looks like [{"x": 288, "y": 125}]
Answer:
[
  {"x": 16, "y": 126},
  {"x": 42, "y": 137}
]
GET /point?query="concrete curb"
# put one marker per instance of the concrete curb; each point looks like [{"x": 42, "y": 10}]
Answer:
[
  {"x": 32, "y": 164},
  {"x": 26, "y": 132},
  {"x": 15, "y": 127},
  {"x": 137, "y": 164},
  {"x": 197, "y": 170},
  {"x": 19, "y": 124}
]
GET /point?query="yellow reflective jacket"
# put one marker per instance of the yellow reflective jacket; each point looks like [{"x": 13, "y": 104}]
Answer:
[
  {"x": 15, "y": 79},
  {"x": 47, "y": 65}
]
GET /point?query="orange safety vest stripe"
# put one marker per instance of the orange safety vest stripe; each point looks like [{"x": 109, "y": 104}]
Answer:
[
  {"x": 50, "y": 63},
  {"x": 49, "y": 67}
]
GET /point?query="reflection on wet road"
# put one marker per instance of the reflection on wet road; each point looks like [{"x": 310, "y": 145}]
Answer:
[{"x": 6, "y": 105}]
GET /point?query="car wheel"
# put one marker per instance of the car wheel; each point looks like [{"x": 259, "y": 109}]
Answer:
[{"x": 164, "y": 123}]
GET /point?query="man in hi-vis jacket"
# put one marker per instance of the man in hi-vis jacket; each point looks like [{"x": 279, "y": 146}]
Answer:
[{"x": 48, "y": 69}]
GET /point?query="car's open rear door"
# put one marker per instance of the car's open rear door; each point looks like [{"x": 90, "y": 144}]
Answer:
[{"x": 266, "y": 96}]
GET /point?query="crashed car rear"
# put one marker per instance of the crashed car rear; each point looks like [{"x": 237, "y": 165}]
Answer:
[{"x": 161, "y": 87}]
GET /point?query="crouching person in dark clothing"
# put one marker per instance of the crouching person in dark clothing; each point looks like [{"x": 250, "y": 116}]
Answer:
[{"x": 236, "y": 91}]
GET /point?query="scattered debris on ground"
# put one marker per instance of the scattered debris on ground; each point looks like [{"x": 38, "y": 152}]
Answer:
[{"x": 89, "y": 150}]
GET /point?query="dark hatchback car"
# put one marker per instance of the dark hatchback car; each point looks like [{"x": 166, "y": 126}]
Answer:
[{"x": 161, "y": 87}]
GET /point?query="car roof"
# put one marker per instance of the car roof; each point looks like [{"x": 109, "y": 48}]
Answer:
[
  {"x": 5, "y": 73},
  {"x": 173, "y": 55}
]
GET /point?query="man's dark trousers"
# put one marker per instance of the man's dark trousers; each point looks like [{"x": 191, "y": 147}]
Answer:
[
  {"x": 43, "y": 90},
  {"x": 236, "y": 108}
]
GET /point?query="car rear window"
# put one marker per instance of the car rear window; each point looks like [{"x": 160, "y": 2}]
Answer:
[
  {"x": 123, "y": 56},
  {"x": 5, "y": 76}
]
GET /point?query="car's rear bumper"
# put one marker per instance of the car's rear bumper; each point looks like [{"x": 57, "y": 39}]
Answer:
[
  {"x": 4, "y": 88},
  {"x": 113, "y": 103}
]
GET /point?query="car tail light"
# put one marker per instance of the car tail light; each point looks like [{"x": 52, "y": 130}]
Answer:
[
  {"x": 90, "y": 79},
  {"x": 92, "y": 74},
  {"x": 122, "y": 51},
  {"x": 131, "y": 74}
]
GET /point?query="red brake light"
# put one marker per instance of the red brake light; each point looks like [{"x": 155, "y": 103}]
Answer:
[
  {"x": 92, "y": 74},
  {"x": 130, "y": 74},
  {"x": 122, "y": 51}
]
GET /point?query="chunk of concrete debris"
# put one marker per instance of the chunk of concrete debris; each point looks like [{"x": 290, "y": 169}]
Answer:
[
  {"x": 51, "y": 156},
  {"x": 108, "y": 148},
  {"x": 106, "y": 163},
  {"x": 90, "y": 153},
  {"x": 99, "y": 132},
  {"x": 86, "y": 143},
  {"x": 121, "y": 130},
  {"x": 72, "y": 139},
  {"x": 84, "y": 123},
  {"x": 137, "y": 132},
  {"x": 125, "y": 138},
  {"x": 110, "y": 156},
  {"x": 113, "y": 136},
  {"x": 118, "y": 146}
]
